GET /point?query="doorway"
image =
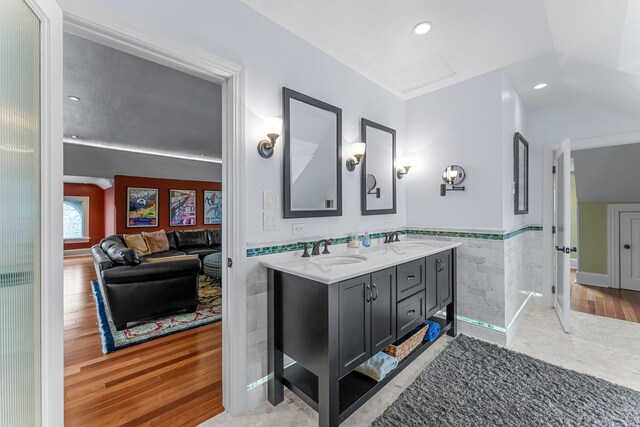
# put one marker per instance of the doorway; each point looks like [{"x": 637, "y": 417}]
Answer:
[
  {"x": 143, "y": 148},
  {"x": 604, "y": 224},
  {"x": 84, "y": 21}
]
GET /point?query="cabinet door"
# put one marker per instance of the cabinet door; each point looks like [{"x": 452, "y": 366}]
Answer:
[
  {"x": 383, "y": 309},
  {"x": 445, "y": 279},
  {"x": 431, "y": 278},
  {"x": 355, "y": 322}
]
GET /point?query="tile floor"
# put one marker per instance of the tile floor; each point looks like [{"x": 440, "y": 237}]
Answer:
[{"x": 604, "y": 347}]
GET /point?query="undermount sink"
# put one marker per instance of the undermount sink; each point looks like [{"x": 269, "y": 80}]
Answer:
[{"x": 329, "y": 260}]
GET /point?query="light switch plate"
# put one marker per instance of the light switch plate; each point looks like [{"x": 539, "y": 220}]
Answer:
[
  {"x": 269, "y": 200},
  {"x": 270, "y": 221},
  {"x": 298, "y": 229}
]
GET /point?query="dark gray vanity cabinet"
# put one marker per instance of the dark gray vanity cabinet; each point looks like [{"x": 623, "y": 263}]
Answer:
[
  {"x": 439, "y": 282},
  {"x": 355, "y": 322},
  {"x": 331, "y": 328},
  {"x": 383, "y": 309},
  {"x": 367, "y": 317}
]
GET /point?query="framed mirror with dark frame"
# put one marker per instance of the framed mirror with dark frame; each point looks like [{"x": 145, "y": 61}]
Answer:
[
  {"x": 312, "y": 157},
  {"x": 520, "y": 174},
  {"x": 378, "y": 187}
]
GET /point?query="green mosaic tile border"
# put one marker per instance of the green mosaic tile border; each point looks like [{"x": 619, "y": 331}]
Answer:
[
  {"x": 483, "y": 236},
  {"x": 269, "y": 250}
]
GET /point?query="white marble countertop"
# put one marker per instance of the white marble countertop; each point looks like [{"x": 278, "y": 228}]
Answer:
[{"x": 325, "y": 268}]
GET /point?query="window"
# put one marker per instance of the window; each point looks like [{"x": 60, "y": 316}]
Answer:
[{"x": 76, "y": 219}]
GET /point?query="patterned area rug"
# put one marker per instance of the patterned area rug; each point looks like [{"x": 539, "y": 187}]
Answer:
[{"x": 209, "y": 311}]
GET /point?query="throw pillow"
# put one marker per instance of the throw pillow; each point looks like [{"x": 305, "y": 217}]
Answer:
[
  {"x": 122, "y": 255},
  {"x": 137, "y": 243},
  {"x": 156, "y": 241}
]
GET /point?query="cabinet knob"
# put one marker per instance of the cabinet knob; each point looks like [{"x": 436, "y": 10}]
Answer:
[
  {"x": 375, "y": 296},
  {"x": 411, "y": 277},
  {"x": 627, "y": 246},
  {"x": 368, "y": 294},
  {"x": 411, "y": 312}
]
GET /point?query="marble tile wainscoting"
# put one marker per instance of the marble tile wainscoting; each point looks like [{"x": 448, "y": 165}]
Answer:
[{"x": 499, "y": 274}]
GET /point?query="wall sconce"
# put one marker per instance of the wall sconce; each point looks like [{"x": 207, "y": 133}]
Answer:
[
  {"x": 266, "y": 147},
  {"x": 452, "y": 175},
  {"x": 404, "y": 169},
  {"x": 358, "y": 149}
]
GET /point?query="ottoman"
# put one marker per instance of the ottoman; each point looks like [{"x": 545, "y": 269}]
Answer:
[{"x": 213, "y": 265}]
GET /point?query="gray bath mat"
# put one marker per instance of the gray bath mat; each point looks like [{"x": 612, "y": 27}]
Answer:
[{"x": 474, "y": 383}]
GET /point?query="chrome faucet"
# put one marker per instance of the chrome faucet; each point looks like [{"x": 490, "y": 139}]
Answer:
[
  {"x": 316, "y": 246},
  {"x": 392, "y": 237}
]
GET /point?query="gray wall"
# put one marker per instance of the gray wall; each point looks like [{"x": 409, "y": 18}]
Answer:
[
  {"x": 102, "y": 163},
  {"x": 608, "y": 174}
]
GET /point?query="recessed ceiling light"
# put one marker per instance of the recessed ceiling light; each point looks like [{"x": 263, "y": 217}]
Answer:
[
  {"x": 422, "y": 28},
  {"x": 74, "y": 136},
  {"x": 540, "y": 86},
  {"x": 73, "y": 98}
]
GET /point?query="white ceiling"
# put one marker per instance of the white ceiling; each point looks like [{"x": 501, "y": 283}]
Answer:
[
  {"x": 588, "y": 51},
  {"x": 132, "y": 104}
]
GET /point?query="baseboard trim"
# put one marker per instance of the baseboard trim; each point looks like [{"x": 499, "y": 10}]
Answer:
[
  {"x": 574, "y": 263},
  {"x": 593, "y": 279},
  {"x": 77, "y": 252},
  {"x": 514, "y": 325},
  {"x": 486, "y": 334}
]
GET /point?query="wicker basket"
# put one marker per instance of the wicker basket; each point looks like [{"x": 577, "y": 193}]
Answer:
[{"x": 403, "y": 349}]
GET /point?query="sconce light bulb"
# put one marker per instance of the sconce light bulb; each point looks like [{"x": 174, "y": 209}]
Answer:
[
  {"x": 358, "y": 149},
  {"x": 273, "y": 126}
]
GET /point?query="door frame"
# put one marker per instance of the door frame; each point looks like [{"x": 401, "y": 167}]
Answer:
[
  {"x": 613, "y": 228},
  {"x": 547, "y": 197},
  {"x": 51, "y": 196},
  {"x": 94, "y": 23}
]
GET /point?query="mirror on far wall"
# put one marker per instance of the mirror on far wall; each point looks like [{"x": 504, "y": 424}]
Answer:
[
  {"x": 378, "y": 189},
  {"x": 520, "y": 174},
  {"x": 312, "y": 157}
]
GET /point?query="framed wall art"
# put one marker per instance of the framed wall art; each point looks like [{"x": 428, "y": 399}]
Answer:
[
  {"x": 212, "y": 207},
  {"x": 182, "y": 207},
  {"x": 142, "y": 207}
]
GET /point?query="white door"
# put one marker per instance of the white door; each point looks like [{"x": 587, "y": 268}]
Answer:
[
  {"x": 630, "y": 250},
  {"x": 26, "y": 199},
  {"x": 562, "y": 236}
]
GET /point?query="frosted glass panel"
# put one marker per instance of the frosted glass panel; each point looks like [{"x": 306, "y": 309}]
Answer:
[{"x": 19, "y": 215}]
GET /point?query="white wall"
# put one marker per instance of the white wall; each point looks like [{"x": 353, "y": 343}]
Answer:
[
  {"x": 514, "y": 119},
  {"x": 460, "y": 124},
  {"x": 274, "y": 58},
  {"x": 98, "y": 162}
]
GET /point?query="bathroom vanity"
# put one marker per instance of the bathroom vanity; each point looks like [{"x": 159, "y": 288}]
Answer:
[{"x": 330, "y": 313}]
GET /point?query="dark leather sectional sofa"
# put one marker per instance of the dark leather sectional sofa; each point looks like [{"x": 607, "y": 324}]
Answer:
[{"x": 136, "y": 289}]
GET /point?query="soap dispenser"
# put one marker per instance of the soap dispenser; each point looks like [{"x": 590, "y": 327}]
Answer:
[
  {"x": 366, "y": 240},
  {"x": 353, "y": 241}
]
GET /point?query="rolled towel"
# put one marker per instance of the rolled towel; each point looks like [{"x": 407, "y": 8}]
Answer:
[
  {"x": 433, "y": 331},
  {"x": 378, "y": 366}
]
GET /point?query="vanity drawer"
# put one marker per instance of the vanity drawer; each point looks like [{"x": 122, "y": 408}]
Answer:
[
  {"x": 410, "y": 313},
  {"x": 410, "y": 278}
]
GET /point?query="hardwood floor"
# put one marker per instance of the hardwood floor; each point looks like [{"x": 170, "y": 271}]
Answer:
[
  {"x": 615, "y": 303},
  {"x": 170, "y": 381}
]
